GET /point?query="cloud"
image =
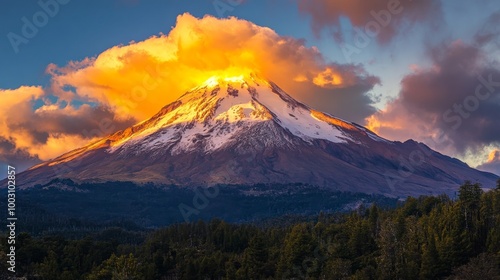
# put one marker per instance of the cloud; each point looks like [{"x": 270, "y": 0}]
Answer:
[
  {"x": 125, "y": 84},
  {"x": 453, "y": 106},
  {"x": 489, "y": 33},
  {"x": 391, "y": 16},
  {"x": 10, "y": 155},
  {"x": 492, "y": 164},
  {"x": 141, "y": 77},
  {"x": 29, "y": 133}
]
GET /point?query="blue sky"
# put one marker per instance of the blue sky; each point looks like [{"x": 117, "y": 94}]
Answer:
[{"x": 86, "y": 28}]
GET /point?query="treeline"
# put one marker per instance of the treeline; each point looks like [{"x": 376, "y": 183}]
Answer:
[
  {"x": 424, "y": 238},
  {"x": 76, "y": 209}
]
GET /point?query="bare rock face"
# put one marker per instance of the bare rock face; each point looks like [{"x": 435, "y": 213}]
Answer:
[{"x": 247, "y": 131}]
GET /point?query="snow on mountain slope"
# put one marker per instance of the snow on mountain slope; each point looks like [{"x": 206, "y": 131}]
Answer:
[
  {"x": 221, "y": 108},
  {"x": 245, "y": 130}
]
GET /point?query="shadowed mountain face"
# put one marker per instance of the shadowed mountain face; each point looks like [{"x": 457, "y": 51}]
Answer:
[{"x": 244, "y": 131}]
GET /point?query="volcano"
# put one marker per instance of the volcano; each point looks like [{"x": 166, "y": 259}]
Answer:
[{"x": 246, "y": 130}]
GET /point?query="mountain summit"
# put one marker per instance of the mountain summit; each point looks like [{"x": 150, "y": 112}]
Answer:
[
  {"x": 246, "y": 130},
  {"x": 250, "y": 113}
]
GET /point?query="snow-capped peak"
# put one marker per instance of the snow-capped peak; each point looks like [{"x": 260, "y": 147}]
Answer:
[
  {"x": 221, "y": 112},
  {"x": 221, "y": 108}
]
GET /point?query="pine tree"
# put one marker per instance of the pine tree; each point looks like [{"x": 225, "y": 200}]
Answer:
[
  {"x": 430, "y": 260},
  {"x": 373, "y": 217},
  {"x": 469, "y": 200},
  {"x": 387, "y": 243},
  {"x": 116, "y": 268},
  {"x": 49, "y": 268},
  {"x": 256, "y": 258},
  {"x": 298, "y": 246},
  {"x": 470, "y": 195}
]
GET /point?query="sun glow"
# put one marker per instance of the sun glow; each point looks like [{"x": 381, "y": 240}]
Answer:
[
  {"x": 240, "y": 75},
  {"x": 215, "y": 80},
  {"x": 138, "y": 79}
]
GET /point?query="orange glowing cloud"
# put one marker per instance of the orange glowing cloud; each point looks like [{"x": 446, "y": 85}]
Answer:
[
  {"x": 50, "y": 129},
  {"x": 16, "y": 107},
  {"x": 492, "y": 164},
  {"x": 494, "y": 156},
  {"x": 13, "y": 102},
  {"x": 328, "y": 78},
  {"x": 139, "y": 78},
  {"x": 128, "y": 83}
]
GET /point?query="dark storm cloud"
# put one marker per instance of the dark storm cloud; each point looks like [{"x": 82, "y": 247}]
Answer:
[
  {"x": 86, "y": 122},
  {"x": 461, "y": 95},
  {"x": 352, "y": 103},
  {"x": 457, "y": 98},
  {"x": 391, "y": 15},
  {"x": 10, "y": 155},
  {"x": 347, "y": 96}
]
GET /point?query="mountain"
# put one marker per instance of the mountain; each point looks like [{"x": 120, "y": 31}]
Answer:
[{"x": 245, "y": 130}]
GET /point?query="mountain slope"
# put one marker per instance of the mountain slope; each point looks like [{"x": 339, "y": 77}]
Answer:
[{"x": 245, "y": 130}]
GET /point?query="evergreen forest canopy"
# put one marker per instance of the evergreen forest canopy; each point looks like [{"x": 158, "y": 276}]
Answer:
[{"x": 423, "y": 238}]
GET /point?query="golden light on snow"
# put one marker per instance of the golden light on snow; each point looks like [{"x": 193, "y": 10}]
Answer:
[
  {"x": 135, "y": 80},
  {"x": 215, "y": 80}
]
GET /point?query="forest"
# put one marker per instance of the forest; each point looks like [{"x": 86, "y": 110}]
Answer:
[{"x": 430, "y": 237}]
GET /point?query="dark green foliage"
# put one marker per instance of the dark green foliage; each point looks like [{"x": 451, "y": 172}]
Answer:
[
  {"x": 470, "y": 195},
  {"x": 123, "y": 267},
  {"x": 424, "y": 238},
  {"x": 484, "y": 267}
]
